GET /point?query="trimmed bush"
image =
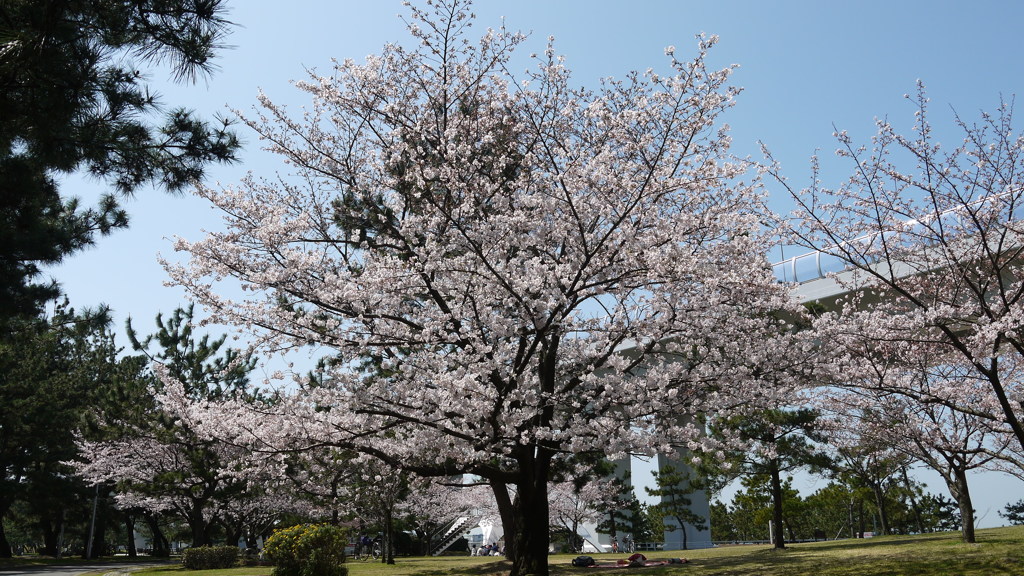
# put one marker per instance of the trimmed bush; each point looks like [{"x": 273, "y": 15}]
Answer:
[
  {"x": 308, "y": 550},
  {"x": 210, "y": 557}
]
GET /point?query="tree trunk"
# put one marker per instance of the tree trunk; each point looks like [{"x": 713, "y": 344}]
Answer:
[
  {"x": 388, "y": 552},
  {"x": 853, "y": 526},
  {"x": 860, "y": 519},
  {"x": 962, "y": 493},
  {"x": 507, "y": 511},
  {"x": 197, "y": 525},
  {"x": 51, "y": 537},
  {"x": 613, "y": 527},
  {"x": 423, "y": 535},
  {"x": 5, "y": 546},
  {"x": 129, "y": 528},
  {"x": 913, "y": 501},
  {"x": 99, "y": 538},
  {"x": 531, "y": 536},
  {"x": 883, "y": 514},
  {"x": 60, "y": 533},
  {"x": 778, "y": 537},
  {"x": 103, "y": 518},
  {"x": 161, "y": 547},
  {"x": 233, "y": 533}
]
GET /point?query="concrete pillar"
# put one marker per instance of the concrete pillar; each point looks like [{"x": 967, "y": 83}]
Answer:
[{"x": 700, "y": 505}]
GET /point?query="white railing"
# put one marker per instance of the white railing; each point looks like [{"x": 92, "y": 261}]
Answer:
[
  {"x": 451, "y": 536},
  {"x": 819, "y": 263}
]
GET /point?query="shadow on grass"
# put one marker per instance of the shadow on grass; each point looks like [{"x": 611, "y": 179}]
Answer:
[
  {"x": 998, "y": 552},
  {"x": 487, "y": 569},
  {"x": 876, "y": 542},
  {"x": 920, "y": 555},
  {"x": 555, "y": 567}
]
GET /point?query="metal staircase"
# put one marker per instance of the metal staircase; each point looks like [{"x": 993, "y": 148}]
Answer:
[{"x": 452, "y": 535}]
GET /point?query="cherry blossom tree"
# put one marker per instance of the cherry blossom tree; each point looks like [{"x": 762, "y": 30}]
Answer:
[
  {"x": 434, "y": 504},
  {"x": 506, "y": 269},
  {"x": 930, "y": 238},
  {"x": 167, "y": 470},
  {"x": 376, "y": 496},
  {"x": 862, "y": 459},
  {"x": 155, "y": 452},
  {"x": 578, "y": 501},
  {"x": 951, "y": 442}
]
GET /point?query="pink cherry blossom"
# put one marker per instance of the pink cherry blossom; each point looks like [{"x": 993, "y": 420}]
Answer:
[{"x": 505, "y": 269}]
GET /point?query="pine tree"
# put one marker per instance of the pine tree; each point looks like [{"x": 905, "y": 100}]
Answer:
[
  {"x": 51, "y": 374},
  {"x": 781, "y": 441},
  {"x": 1014, "y": 512},
  {"x": 674, "y": 487},
  {"x": 74, "y": 99},
  {"x": 207, "y": 370},
  {"x": 618, "y": 522}
]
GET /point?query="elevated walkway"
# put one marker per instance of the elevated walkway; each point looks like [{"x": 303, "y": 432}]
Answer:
[{"x": 819, "y": 276}]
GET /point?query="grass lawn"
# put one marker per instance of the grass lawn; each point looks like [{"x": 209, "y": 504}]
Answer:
[{"x": 998, "y": 551}]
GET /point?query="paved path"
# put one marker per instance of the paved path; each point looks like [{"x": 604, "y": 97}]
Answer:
[{"x": 71, "y": 570}]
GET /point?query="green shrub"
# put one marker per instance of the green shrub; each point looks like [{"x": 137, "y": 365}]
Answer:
[
  {"x": 308, "y": 550},
  {"x": 210, "y": 557}
]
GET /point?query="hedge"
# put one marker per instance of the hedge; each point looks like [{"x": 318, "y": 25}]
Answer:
[{"x": 210, "y": 557}]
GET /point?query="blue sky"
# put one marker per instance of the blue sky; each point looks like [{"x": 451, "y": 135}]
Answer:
[{"x": 805, "y": 67}]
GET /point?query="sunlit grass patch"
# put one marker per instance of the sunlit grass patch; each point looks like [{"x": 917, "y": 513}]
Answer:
[{"x": 999, "y": 551}]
